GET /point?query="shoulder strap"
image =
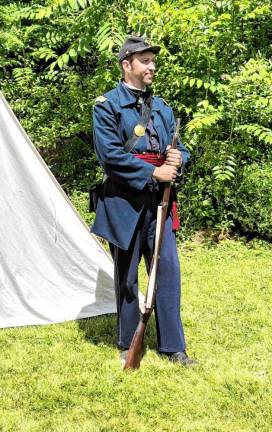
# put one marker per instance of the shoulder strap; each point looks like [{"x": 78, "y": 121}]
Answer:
[{"x": 143, "y": 122}]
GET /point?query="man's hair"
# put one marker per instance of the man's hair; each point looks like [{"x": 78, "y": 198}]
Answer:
[{"x": 129, "y": 59}]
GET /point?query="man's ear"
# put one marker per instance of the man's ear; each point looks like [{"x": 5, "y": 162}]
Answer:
[{"x": 126, "y": 65}]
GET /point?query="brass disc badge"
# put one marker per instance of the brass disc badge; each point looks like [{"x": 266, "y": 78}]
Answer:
[{"x": 139, "y": 130}]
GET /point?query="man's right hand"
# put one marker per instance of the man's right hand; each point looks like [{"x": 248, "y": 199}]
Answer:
[{"x": 165, "y": 173}]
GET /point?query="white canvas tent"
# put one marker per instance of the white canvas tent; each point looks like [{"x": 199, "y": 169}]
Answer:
[{"x": 51, "y": 268}]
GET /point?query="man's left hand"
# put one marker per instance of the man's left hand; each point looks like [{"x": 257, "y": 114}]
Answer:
[{"x": 173, "y": 157}]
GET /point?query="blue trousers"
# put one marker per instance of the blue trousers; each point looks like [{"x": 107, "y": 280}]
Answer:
[{"x": 170, "y": 335}]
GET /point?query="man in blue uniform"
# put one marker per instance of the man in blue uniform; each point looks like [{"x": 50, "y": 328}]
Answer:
[{"x": 133, "y": 131}]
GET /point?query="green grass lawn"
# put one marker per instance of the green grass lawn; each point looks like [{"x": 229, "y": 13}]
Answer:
[{"x": 67, "y": 377}]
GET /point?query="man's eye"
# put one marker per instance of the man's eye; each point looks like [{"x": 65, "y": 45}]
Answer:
[{"x": 147, "y": 61}]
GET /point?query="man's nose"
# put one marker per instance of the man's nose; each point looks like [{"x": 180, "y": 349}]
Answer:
[{"x": 152, "y": 66}]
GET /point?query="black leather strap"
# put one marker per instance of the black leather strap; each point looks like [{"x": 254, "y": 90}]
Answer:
[{"x": 133, "y": 140}]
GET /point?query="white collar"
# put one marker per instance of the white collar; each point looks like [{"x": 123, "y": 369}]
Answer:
[{"x": 133, "y": 88}]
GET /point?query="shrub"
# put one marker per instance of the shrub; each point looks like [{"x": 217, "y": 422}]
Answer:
[
  {"x": 81, "y": 202},
  {"x": 254, "y": 200}
]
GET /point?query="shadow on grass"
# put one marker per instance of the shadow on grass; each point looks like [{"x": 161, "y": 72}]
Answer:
[{"x": 101, "y": 330}]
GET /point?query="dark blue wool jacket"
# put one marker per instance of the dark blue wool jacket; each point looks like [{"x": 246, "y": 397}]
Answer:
[{"x": 129, "y": 179}]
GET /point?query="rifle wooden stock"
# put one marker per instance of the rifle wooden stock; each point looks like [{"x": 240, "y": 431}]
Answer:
[{"x": 135, "y": 352}]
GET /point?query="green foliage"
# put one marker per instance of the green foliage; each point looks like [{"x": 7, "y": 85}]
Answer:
[
  {"x": 214, "y": 68},
  {"x": 240, "y": 136},
  {"x": 262, "y": 133},
  {"x": 226, "y": 171},
  {"x": 81, "y": 202},
  {"x": 201, "y": 121},
  {"x": 254, "y": 200}
]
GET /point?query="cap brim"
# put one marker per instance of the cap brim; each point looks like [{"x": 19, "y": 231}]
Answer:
[{"x": 155, "y": 49}]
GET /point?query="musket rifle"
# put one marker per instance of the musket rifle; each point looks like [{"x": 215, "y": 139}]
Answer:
[{"x": 135, "y": 352}]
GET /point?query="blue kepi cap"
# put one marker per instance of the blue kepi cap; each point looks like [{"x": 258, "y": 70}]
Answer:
[{"x": 135, "y": 44}]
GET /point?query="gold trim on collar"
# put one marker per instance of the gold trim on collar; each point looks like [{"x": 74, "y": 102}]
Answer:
[{"x": 100, "y": 99}]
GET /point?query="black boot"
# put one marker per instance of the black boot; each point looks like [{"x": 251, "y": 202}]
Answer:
[{"x": 181, "y": 357}]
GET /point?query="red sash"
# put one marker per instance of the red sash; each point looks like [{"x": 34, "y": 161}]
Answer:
[{"x": 155, "y": 159}]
